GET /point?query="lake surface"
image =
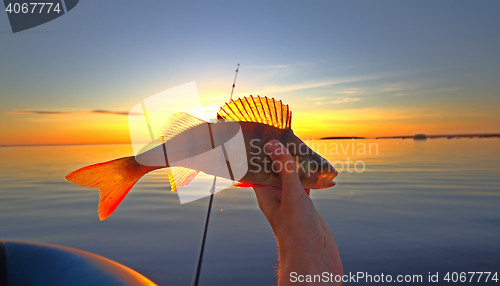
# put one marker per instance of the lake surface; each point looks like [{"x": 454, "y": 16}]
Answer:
[{"x": 418, "y": 207}]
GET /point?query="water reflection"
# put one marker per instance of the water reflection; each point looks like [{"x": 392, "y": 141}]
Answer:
[{"x": 418, "y": 207}]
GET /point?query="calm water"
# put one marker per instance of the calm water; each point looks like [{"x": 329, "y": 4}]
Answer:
[{"x": 419, "y": 207}]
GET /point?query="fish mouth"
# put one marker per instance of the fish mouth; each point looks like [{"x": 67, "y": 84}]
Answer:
[
  {"x": 327, "y": 185},
  {"x": 329, "y": 182},
  {"x": 332, "y": 174},
  {"x": 326, "y": 180}
]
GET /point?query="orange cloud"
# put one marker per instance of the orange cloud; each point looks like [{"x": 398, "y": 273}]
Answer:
[{"x": 63, "y": 128}]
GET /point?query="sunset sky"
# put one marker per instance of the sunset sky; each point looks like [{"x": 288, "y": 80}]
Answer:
[{"x": 360, "y": 68}]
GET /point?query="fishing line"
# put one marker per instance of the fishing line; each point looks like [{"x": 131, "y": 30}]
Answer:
[{"x": 196, "y": 276}]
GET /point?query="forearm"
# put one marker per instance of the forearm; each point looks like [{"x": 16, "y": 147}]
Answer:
[
  {"x": 320, "y": 257},
  {"x": 305, "y": 244}
]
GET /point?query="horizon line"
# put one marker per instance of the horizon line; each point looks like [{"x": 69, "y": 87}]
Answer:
[
  {"x": 418, "y": 136},
  {"x": 490, "y": 135}
]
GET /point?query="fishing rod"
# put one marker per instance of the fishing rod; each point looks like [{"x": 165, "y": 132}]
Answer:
[
  {"x": 196, "y": 276},
  {"x": 234, "y": 82}
]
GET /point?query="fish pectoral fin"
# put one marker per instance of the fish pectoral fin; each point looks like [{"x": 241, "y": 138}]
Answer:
[
  {"x": 181, "y": 177},
  {"x": 243, "y": 185},
  {"x": 178, "y": 123}
]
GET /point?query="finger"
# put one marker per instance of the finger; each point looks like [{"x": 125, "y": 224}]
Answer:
[
  {"x": 269, "y": 199},
  {"x": 286, "y": 166}
]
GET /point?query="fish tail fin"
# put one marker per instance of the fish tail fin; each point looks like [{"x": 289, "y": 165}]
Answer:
[{"x": 113, "y": 179}]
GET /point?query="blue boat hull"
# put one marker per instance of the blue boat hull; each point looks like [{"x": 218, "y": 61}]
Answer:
[{"x": 29, "y": 263}]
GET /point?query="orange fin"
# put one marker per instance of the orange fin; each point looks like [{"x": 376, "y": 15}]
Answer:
[
  {"x": 177, "y": 123},
  {"x": 243, "y": 185},
  {"x": 258, "y": 109},
  {"x": 113, "y": 179},
  {"x": 181, "y": 177}
]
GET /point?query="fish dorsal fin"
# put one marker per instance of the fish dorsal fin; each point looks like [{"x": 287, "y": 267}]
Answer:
[
  {"x": 258, "y": 109},
  {"x": 181, "y": 177},
  {"x": 177, "y": 123}
]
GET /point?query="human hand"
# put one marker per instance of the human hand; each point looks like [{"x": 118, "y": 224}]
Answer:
[{"x": 305, "y": 244}]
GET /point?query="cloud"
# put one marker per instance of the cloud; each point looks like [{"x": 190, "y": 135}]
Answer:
[
  {"x": 278, "y": 66},
  {"x": 270, "y": 67},
  {"x": 110, "y": 112},
  {"x": 346, "y": 100},
  {"x": 44, "y": 112},
  {"x": 315, "y": 99},
  {"x": 27, "y": 111},
  {"x": 306, "y": 85},
  {"x": 339, "y": 100},
  {"x": 347, "y": 92}
]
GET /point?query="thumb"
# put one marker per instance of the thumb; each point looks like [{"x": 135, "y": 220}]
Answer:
[{"x": 285, "y": 165}]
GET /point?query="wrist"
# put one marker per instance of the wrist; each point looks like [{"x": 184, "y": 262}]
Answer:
[{"x": 308, "y": 259}]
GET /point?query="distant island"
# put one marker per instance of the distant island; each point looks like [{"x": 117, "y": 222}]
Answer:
[
  {"x": 343, "y": 137},
  {"x": 420, "y": 136}
]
